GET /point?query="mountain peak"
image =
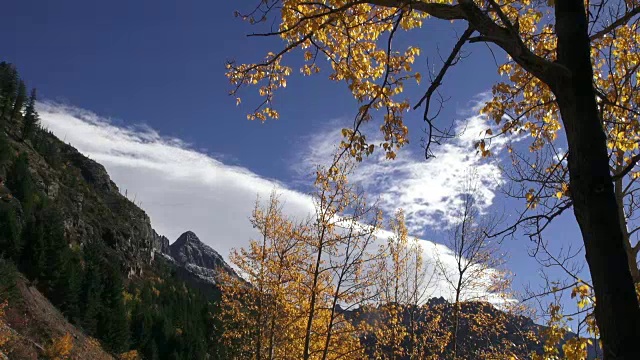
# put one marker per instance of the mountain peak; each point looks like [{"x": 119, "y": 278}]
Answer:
[
  {"x": 188, "y": 237},
  {"x": 190, "y": 252}
]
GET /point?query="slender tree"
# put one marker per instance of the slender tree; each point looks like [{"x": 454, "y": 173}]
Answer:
[
  {"x": 113, "y": 326},
  {"x": 403, "y": 282},
  {"x": 474, "y": 255},
  {"x": 21, "y": 96},
  {"x": 31, "y": 118},
  {"x": 259, "y": 315},
  {"x": 298, "y": 274}
]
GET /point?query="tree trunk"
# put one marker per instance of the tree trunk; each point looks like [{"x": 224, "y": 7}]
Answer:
[
  {"x": 456, "y": 319},
  {"x": 617, "y": 312},
  {"x": 631, "y": 256},
  {"x": 312, "y": 302}
]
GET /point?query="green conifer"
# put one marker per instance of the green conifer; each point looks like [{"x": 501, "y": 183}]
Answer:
[
  {"x": 10, "y": 240},
  {"x": 114, "y": 325},
  {"x": 31, "y": 117},
  {"x": 18, "y": 104},
  {"x": 8, "y": 87}
]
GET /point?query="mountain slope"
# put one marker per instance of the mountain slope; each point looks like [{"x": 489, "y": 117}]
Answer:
[
  {"x": 87, "y": 253},
  {"x": 31, "y": 322}
]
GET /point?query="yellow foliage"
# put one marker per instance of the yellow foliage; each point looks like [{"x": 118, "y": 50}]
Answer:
[
  {"x": 576, "y": 347},
  {"x": 5, "y": 334},
  {"x": 293, "y": 269},
  {"x": 352, "y": 42},
  {"x": 59, "y": 348},
  {"x": 130, "y": 355}
]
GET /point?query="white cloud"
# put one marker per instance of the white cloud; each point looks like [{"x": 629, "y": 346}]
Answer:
[
  {"x": 427, "y": 190},
  {"x": 183, "y": 189}
]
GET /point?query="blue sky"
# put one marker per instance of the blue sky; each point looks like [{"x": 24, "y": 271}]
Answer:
[{"x": 161, "y": 65}]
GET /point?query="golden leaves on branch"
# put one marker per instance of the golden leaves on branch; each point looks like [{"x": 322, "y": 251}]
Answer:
[{"x": 354, "y": 39}]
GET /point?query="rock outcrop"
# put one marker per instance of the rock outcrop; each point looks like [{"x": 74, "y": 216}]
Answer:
[{"x": 160, "y": 243}]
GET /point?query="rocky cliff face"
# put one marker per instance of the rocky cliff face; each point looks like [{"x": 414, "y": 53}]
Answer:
[
  {"x": 90, "y": 203},
  {"x": 160, "y": 243}
]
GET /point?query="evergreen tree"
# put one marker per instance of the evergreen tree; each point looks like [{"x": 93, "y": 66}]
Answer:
[
  {"x": 47, "y": 148},
  {"x": 10, "y": 241},
  {"x": 8, "y": 276},
  {"x": 8, "y": 87},
  {"x": 152, "y": 353},
  {"x": 21, "y": 96},
  {"x": 58, "y": 254},
  {"x": 113, "y": 326},
  {"x": 34, "y": 254},
  {"x": 31, "y": 117},
  {"x": 20, "y": 182},
  {"x": 91, "y": 289},
  {"x": 141, "y": 327},
  {"x": 5, "y": 150},
  {"x": 70, "y": 285}
]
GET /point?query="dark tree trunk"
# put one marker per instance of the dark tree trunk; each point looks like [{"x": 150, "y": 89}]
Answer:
[{"x": 617, "y": 311}]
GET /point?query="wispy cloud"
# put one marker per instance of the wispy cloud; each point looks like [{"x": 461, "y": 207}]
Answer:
[
  {"x": 184, "y": 189},
  {"x": 428, "y": 190}
]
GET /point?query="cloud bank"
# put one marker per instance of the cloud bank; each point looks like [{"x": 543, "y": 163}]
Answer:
[
  {"x": 184, "y": 189},
  {"x": 428, "y": 190}
]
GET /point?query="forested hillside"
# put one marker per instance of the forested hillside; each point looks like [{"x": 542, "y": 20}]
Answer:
[{"x": 66, "y": 231}]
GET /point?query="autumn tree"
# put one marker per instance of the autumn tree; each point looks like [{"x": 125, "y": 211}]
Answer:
[
  {"x": 59, "y": 348},
  {"x": 402, "y": 284},
  {"x": 345, "y": 231},
  {"x": 261, "y": 312},
  {"x": 339, "y": 235},
  {"x": 556, "y": 50},
  {"x": 301, "y": 277},
  {"x": 555, "y": 339},
  {"x": 5, "y": 333},
  {"x": 475, "y": 256}
]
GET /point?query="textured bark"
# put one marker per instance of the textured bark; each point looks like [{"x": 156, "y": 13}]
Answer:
[
  {"x": 592, "y": 191},
  {"x": 631, "y": 255}
]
